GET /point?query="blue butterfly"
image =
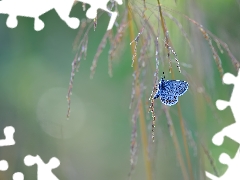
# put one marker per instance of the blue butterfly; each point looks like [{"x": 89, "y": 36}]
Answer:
[{"x": 169, "y": 90}]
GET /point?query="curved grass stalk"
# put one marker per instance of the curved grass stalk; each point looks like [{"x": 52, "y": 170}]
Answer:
[
  {"x": 178, "y": 104},
  {"x": 141, "y": 110}
]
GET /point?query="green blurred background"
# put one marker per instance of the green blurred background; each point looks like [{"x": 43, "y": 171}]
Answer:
[{"x": 94, "y": 144}]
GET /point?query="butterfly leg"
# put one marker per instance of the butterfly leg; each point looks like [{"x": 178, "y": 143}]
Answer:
[{"x": 156, "y": 95}]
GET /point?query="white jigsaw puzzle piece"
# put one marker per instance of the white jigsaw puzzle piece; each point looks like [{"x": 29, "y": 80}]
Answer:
[
  {"x": 101, "y": 4},
  {"x": 233, "y": 172},
  {"x": 44, "y": 170},
  {"x": 18, "y": 176},
  {"x": 232, "y": 131},
  {"x": 36, "y": 8},
  {"x": 235, "y": 97},
  {"x": 3, "y": 165},
  {"x": 8, "y": 132}
]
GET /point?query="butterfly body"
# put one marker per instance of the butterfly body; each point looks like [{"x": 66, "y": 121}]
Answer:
[{"x": 169, "y": 90}]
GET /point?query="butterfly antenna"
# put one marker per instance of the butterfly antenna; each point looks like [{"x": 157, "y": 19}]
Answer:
[{"x": 163, "y": 75}]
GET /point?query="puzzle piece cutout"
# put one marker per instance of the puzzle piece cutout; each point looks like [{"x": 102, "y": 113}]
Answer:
[
  {"x": 18, "y": 176},
  {"x": 101, "y": 4},
  {"x": 36, "y": 8},
  {"x": 233, "y": 172},
  {"x": 44, "y": 170},
  {"x": 8, "y": 132},
  {"x": 3, "y": 165},
  {"x": 232, "y": 131}
]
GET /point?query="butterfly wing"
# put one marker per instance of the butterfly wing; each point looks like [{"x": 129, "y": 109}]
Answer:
[
  {"x": 169, "y": 90},
  {"x": 169, "y": 100},
  {"x": 174, "y": 87}
]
